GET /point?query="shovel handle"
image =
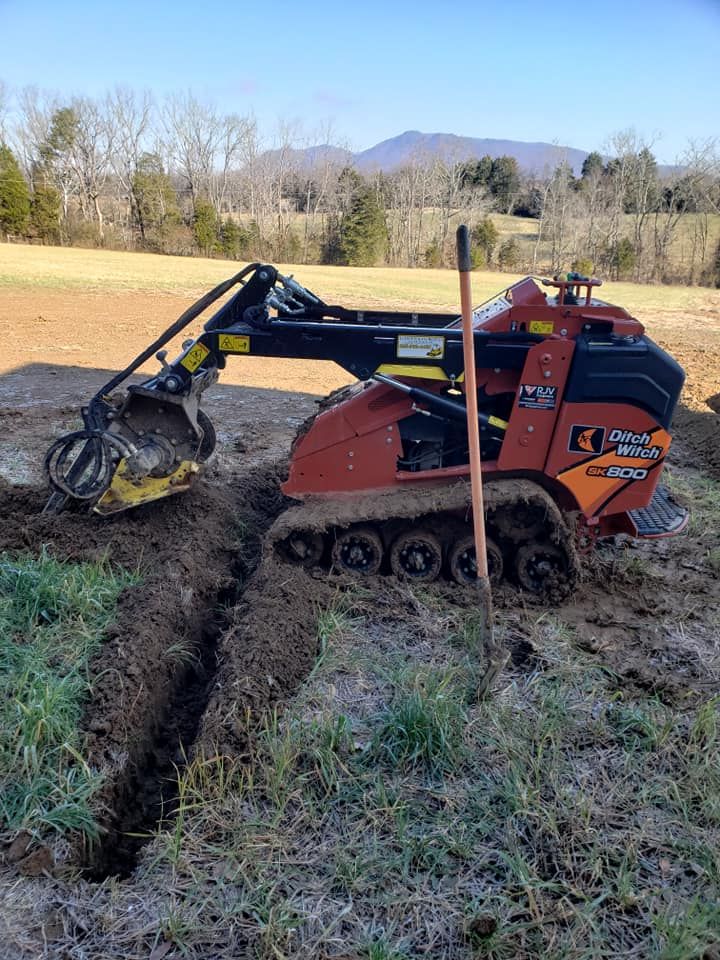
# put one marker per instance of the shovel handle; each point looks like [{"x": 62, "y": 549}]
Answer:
[{"x": 462, "y": 239}]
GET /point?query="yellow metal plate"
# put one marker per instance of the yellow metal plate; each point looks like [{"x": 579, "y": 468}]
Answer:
[
  {"x": 124, "y": 493},
  {"x": 194, "y": 357},
  {"x": 541, "y": 326},
  {"x": 498, "y": 422},
  {"x": 233, "y": 343},
  {"x": 412, "y": 370}
]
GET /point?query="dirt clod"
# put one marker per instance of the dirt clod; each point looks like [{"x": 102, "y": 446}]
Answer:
[{"x": 38, "y": 863}]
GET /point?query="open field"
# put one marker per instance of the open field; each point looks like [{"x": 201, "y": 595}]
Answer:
[{"x": 274, "y": 765}]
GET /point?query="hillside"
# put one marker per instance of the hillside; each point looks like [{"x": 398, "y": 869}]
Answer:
[{"x": 390, "y": 154}]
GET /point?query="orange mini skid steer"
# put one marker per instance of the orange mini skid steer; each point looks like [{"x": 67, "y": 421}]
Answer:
[{"x": 575, "y": 404}]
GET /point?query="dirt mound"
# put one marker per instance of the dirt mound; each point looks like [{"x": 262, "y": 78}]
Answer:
[
  {"x": 697, "y": 432},
  {"x": 696, "y": 424},
  {"x": 265, "y": 653}
]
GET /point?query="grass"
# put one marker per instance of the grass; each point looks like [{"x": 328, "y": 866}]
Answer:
[
  {"x": 701, "y": 493},
  {"x": 105, "y": 270},
  {"x": 422, "y": 727},
  {"x": 386, "y": 814},
  {"x": 52, "y": 619}
]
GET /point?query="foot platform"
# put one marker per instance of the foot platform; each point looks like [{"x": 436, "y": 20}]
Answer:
[{"x": 662, "y": 517}]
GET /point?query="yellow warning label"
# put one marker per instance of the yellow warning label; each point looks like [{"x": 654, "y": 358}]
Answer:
[
  {"x": 233, "y": 343},
  {"x": 497, "y": 422},
  {"x": 194, "y": 357},
  {"x": 541, "y": 326}
]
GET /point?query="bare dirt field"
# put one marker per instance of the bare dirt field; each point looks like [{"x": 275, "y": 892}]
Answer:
[{"x": 218, "y": 636}]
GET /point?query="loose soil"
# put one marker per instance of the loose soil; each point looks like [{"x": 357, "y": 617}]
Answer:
[{"x": 219, "y": 631}]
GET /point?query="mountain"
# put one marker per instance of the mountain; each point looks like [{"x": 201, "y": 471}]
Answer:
[
  {"x": 397, "y": 151},
  {"x": 390, "y": 154},
  {"x": 531, "y": 157}
]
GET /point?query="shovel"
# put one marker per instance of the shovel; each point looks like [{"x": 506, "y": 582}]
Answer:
[{"x": 495, "y": 656}]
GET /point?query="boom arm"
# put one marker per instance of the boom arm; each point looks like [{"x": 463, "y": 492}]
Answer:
[{"x": 148, "y": 442}]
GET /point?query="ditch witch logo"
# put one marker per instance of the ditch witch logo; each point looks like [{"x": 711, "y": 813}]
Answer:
[
  {"x": 633, "y": 446},
  {"x": 586, "y": 439}
]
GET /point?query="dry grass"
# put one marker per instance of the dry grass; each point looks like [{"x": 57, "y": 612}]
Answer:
[
  {"x": 395, "y": 288},
  {"x": 387, "y": 814}
]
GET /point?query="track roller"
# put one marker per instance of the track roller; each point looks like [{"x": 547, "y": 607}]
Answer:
[
  {"x": 416, "y": 555},
  {"x": 358, "y": 551},
  {"x": 541, "y": 566},
  {"x": 304, "y": 547},
  {"x": 520, "y": 521},
  {"x": 462, "y": 563}
]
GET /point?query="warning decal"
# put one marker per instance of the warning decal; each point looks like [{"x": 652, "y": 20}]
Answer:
[
  {"x": 194, "y": 357},
  {"x": 233, "y": 343}
]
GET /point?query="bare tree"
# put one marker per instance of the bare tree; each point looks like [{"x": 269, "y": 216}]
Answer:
[
  {"x": 129, "y": 115},
  {"x": 204, "y": 146},
  {"x": 90, "y": 152},
  {"x": 193, "y": 134},
  {"x": 35, "y": 112},
  {"x": 410, "y": 194}
]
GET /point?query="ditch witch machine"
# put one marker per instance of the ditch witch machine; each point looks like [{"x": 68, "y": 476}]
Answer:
[{"x": 575, "y": 404}]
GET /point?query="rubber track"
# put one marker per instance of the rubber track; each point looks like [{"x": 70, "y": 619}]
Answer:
[{"x": 323, "y": 514}]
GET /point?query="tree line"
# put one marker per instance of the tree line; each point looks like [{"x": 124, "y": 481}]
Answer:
[{"x": 178, "y": 176}]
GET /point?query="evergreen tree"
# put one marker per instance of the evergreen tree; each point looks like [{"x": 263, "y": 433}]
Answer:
[
  {"x": 234, "y": 240},
  {"x": 153, "y": 196},
  {"x": 45, "y": 210},
  {"x": 624, "y": 258},
  {"x": 592, "y": 166},
  {"x": 364, "y": 237},
  {"x": 485, "y": 237},
  {"x": 504, "y": 182},
  {"x": 205, "y": 226},
  {"x": 476, "y": 173},
  {"x": 14, "y": 194},
  {"x": 509, "y": 254}
]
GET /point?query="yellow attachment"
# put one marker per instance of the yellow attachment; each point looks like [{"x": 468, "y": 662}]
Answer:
[{"x": 124, "y": 492}]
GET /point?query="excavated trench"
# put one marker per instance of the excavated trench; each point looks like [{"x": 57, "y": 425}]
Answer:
[
  {"x": 218, "y": 628},
  {"x": 193, "y": 645},
  {"x": 145, "y": 797}
]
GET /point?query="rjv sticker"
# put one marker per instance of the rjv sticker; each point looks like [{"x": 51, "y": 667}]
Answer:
[
  {"x": 537, "y": 396},
  {"x": 584, "y": 439}
]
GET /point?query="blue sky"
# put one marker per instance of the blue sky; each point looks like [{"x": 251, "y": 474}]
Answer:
[{"x": 571, "y": 73}]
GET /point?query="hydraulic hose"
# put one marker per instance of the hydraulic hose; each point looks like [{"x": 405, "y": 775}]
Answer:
[
  {"x": 90, "y": 473},
  {"x": 182, "y": 321}
]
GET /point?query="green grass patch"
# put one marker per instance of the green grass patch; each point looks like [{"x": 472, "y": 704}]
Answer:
[
  {"x": 52, "y": 619},
  {"x": 423, "y": 725}
]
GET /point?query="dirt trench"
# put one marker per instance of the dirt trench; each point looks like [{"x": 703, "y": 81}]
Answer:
[{"x": 193, "y": 647}]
